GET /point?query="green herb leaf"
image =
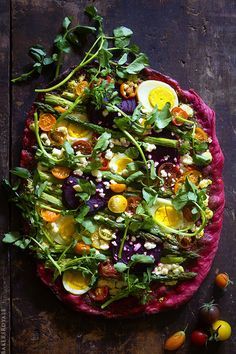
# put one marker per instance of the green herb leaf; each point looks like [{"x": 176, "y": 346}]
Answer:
[
  {"x": 21, "y": 172},
  {"x": 141, "y": 258},
  {"x": 122, "y": 36},
  {"x": 83, "y": 212},
  {"x": 89, "y": 225},
  {"x": 137, "y": 65},
  {"x": 66, "y": 22},
  {"x": 11, "y": 237},
  {"x": 102, "y": 142},
  {"x": 120, "y": 267},
  {"x": 163, "y": 118}
]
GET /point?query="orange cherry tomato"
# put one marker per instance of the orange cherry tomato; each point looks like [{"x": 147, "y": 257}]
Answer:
[
  {"x": 133, "y": 203},
  {"x": 177, "y": 113},
  {"x": 200, "y": 135},
  {"x": 118, "y": 187},
  {"x": 60, "y": 172},
  {"x": 175, "y": 341},
  {"x": 83, "y": 146},
  {"x": 81, "y": 248},
  {"x": 60, "y": 109},
  {"x": 49, "y": 216},
  {"x": 222, "y": 280},
  {"x": 47, "y": 121},
  {"x": 178, "y": 184},
  {"x": 80, "y": 87},
  {"x": 128, "y": 89},
  {"x": 57, "y": 138},
  {"x": 194, "y": 176}
]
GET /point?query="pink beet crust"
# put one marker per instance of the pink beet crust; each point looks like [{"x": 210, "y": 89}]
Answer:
[{"x": 163, "y": 299}]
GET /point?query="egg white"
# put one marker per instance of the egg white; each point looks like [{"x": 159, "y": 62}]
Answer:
[
  {"x": 114, "y": 164},
  {"x": 74, "y": 282},
  {"x": 146, "y": 87},
  {"x": 56, "y": 229}
]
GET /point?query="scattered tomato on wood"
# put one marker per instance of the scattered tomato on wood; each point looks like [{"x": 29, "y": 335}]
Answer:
[
  {"x": 175, "y": 341},
  {"x": 199, "y": 338},
  {"x": 222, "y": 280},
  {"x": 209, "y": 313},
  {"x": 221, "y": 331}
]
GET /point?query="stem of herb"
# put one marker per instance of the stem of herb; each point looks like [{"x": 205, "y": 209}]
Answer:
[
  {"x": 123, "y": 241},
  {"x": 162, "y": 142}
]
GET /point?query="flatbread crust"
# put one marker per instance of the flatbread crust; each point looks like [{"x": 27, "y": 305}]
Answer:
[{"x": 163, "y": 298}]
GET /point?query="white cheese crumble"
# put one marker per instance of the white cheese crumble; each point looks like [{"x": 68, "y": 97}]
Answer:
[
  {"x": 78, "y": 172},
  {"x": 109, "y": 154},
  {"x": 149, "y": 147},
  {"x": 187, "y": 159},
  {"x": 45, "y": 139},
  {"x": 57, "y": 152},
  {"x": 96, "y": 173},
  {"x": 164, "y": 269},
  {"x": 187, "y": 109},
  {"x": 149, "y": 245}
]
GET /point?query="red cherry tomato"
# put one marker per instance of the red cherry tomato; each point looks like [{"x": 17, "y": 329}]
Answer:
[
  {"x": 199, "y": 338},
  {"x": 107, "y": 270},
  {"x": 169, "y": 172},
  {"x": 83, "y": 146},
  {"x": 128, "y": 90},
  {"x": 178, "y": 112},
  {"x": 133, "y": 203},
  {"x": 105, "y": 164},
  {"x": 99, "y": 294}
]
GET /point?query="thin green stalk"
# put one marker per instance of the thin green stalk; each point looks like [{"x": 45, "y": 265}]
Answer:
[
  {"x": 123, "y": 241},
  {"x": 162, "y": 142},
  {"x": 82, "y": 64},
  {"x": 23, "y": 76},
  {"x": 70, "y": 109}
]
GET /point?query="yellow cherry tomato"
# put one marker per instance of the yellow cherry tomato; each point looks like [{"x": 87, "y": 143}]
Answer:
[
  {"x": 117, "y": 204},
  {"x": 175, "y": 341},
  {"x": 118, "y": 187},
  {"x": 222, "y": 330}
]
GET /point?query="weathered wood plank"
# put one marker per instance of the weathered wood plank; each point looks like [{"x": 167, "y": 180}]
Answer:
[
  {"x": 4, "y": 167},
  {"x": 192, "y": 41}
]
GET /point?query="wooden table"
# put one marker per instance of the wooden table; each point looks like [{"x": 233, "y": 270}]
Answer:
[{"x": 194, "y": 42}]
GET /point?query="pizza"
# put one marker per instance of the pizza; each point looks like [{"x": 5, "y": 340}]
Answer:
[{"x": 122, "y": 193}]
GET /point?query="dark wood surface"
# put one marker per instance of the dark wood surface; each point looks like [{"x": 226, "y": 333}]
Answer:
[{"x": 194, "y": 42}]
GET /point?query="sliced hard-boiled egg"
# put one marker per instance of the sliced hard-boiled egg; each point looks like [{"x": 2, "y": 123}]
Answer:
[
  {"x": 75, "y": 282},
  {"x": 153, "y": 93},
  {"x": 63, "y": 229},
  {"x": 75, "y": 131},
  {"x": 119, "y": 163}
]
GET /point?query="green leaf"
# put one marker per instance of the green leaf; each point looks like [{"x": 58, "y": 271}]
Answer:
[
  {"x": 132, "y": 152},
  {"x": 83, "y": 212},
  {"x": 23, "y": 244},
  {"x": 122, "y": 36},
  {"x": 123, "y": 59},
  {"x": 103, "y": 57},
  {"x": 137, "y": 65},
  {"x": 62, "y": 44},
  {"x": 84, "y": 30},
  {"x": 164, "y": 117},
  {"x": 21, "y": 172},
  {"x": 141, "y": 258},
  {"x": 149, "y": 195},
  {"x": 11, "y": 237},
  {"x": 102, "y": 142},
  {"x": 203, "y": 159},
  {"x": 120, "y": 267},
  {"x": 40, "y": 188},
  {"x": 89, "y": 225},
  {"x": 66, "y": 22},
  {"x": 68, "y": 148},
  {"x": 87, "y": 240}
]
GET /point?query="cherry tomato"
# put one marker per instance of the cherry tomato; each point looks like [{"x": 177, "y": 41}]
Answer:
[
  {"x": 222, "y": 280},
  {"x": 187, "y": 213},
  {"x": 99, "y": 294},
  {"x": 107, "y": 270},
  {"x": 185, "y": 242},
  {"x": 81, "y": 248},
  {"x": 49, "y": 216},
  {"x": 47, "y": 121},
  {"x": 169, "y": 172},
  {"x": 60, "y": 109},
  {"x": 199, "y": 338},
  {"x": 60, "y": 172},
  {"x": 133, "y": 203},
  {"x": 200, "y": 135},
  {"x": 83, "y": 146},
  {"x": 222, "y": 330},
  {"x": 128, "y": 89},
  {"x": 57, "y": 137},
  {"x": 175, "y": 341},
  {"x": 105, "y": 164},
  {"x": 118, "y": 187},
  {"x": 80, "y": 87},
  {"x": 177, "y": 113},
  {"x": 209, "y": 313},
  {"x": 194, "y": 176},
  {"x": 117, "y": 203},
  {"x": 105, "y": 233}
]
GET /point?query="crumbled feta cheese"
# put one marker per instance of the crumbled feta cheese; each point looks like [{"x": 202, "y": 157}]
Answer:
[
  {"x": 78, "y": 172},
  {"x": 109, "y": 154},
  {"x": 104, "y": 246},
  {"x": 96, "y": 173},
  {"x": 95, "y": 205},
  {"x": 149, "y": 245},
  {"x": 163, "y": 173},
  {"x": 149, "y": 147},
  {"x": 102, "y": 195},
  {"x": 133, "y": 238},
  {"x": 204, "y": 183},
  {"x": 187, "y": 159},
  {"x": 207, "y": 155},
  {"x": 164, "y": 269},
  {"x": 187, "y": 109},
  {"x": 166, "y": 157},
  {"x": 119, "y": 219},
  {"x": 77, "y": 188},
  {"x": 105, "y": 113},
  {"x": 137, "y": 247},
  {"x": 57, "y": 152},
  {"x": 83, "y": 161},
  {"x": 62, "y": 130},
  {"x": 149, "y": 157},
  {"x": 45, "y": 139}
]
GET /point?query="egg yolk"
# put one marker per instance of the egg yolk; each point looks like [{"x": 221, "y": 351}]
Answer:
[
  {"x": 78, "y": 132},
  {"x": 75, "y": 280},
  {"x": 67, "y": 228},
  {"x": 168, "y": 216},
  {"x": 160, "y": 96},
  {"x": 121, "y": 164}
]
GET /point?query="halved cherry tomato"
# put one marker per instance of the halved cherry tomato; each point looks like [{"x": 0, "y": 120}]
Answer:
[
  {"x": 105, "y": 164},
  {"x": 107, "y": 270},
  {"x": 81, "y": 248},
  {"x": 222, "y": 280},
  {"x": 99, "y": 294},
  {"x": 118, "y": 187},
  {"x": 200, "y": 135},
  {"x": 49, "y": 216},
  {"x": 194, "y": 176},
  {"x": 175, "y": 341},
  {"x": 57, "y": 138},
  {"x": 80, "y": 87},
  {"x": 47, "y": 121},
  {"x": 133, "y": 203},
  {"x": 60, "y": 172},
  {"x": 185, "y": 242},
  {"x": 60, "y": 109},
  {"x": 176, "y": 113},
  {"x": 169, "y": 172},
  {"x": 128, "y": 89},
  {"x": 83, "y": 146},
  {"x": 178, "y": 184},
  {"x": 187, "y": 213},
  {"x": 199, "y": 338}
]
